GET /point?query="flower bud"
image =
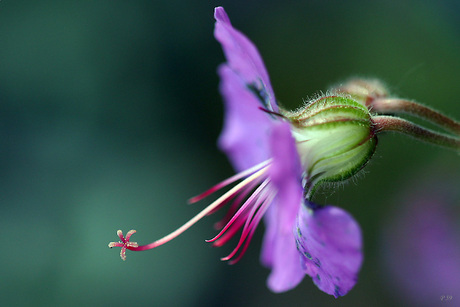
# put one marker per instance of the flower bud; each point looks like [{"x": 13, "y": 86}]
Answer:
[
  {"x": 335, "y": 138},
  {"x": 362, "y": 90}
]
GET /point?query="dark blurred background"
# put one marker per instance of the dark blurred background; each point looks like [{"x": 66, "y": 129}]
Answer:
[{"x": 109, "y": 115}]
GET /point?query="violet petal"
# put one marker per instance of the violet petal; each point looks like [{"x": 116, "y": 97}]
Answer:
[
  {"x": 243, "y": 58},
  {"x": 244, "y": 137},
  {"x": 279, "y": 250},
  {"x": 330, "y": 243}
]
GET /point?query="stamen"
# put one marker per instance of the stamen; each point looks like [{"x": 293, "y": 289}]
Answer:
[
  {"x": 238, "y": 215},
  {"x": 203, "y": 213},
  {"x": 230, "y": 233},
  {"x": 232, "y": 197},
  {"x": 250, "y": 228},
  {"x": 228, "y": 181},
  {"x": 246, "y": 230},
  {"x": 235, "y": 205},
  {"x": 247, "y": 204}
]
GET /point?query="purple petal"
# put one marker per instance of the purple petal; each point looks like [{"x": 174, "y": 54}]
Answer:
[
  {"x": 244, "y": 59},
  {"x": 279, "y": 250},
  {"x": 286, "y": 270},
  {"x": 330, "y": 242},
  {"x": 246, "y": 129},
  {"x": 286, "y": 175}
]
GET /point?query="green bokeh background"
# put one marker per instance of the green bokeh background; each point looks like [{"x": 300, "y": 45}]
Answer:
[{"x": 109, "y": 115}]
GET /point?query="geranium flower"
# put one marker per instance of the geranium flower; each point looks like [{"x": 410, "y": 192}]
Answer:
[
  {"x": 281, "y": 158},
  {"x": 299, "y": 234},
  {"x": 301, "y": 237}
]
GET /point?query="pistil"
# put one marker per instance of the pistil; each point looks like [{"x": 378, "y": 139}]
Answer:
[{"x": 248, "y": 214}]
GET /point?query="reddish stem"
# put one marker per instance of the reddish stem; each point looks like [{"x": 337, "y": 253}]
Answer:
[
  {"x": 395, "y": 124},
  {"x": 395, "y": 105}
]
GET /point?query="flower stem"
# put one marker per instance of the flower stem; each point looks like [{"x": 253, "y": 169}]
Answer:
[
  {"x": 395, "y": 105},
  {"x": 396, "y": 124}
]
